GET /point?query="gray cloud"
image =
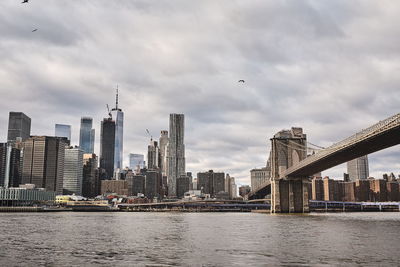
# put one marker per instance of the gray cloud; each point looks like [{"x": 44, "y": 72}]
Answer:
[{"x": 330, "y": 67}]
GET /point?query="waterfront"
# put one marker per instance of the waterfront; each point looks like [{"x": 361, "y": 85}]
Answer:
[{"x": 198, "y": 239}]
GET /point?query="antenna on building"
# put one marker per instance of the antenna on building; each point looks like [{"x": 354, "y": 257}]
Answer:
[{"x": 116, "y": 99}]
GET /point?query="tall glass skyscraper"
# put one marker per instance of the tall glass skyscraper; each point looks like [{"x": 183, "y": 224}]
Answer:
[
  {"x": 107, "y": 146},
  {"x": 136, "y": 160},
  {"x": 63, "y": 130},
  {"x": 358, "y": 168},
  {"x": 118, "y": 117},
  {"x": 87, "y": 135}
]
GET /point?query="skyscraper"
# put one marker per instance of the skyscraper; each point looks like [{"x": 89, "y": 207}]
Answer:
[
  {"x": 90, "y": 179},
  {"x": 73, "y": 168},
  {"x": 358, "y": 168},
  {"x": 136, "y": 160},
  {"x": 153, "y": 155},
  {"x": 107, "y": 146},
  {"x": 19, "y": 125},
  {"x": 176, "y": 151},
  {"x": 87, "y": 135},
  {"x": 10, "y": 165},
  {"x": 63, "y": 130},
  {"x": 43, "y": 162},
  {"x": 118, "y": 117},
  {"x": 163, "y": 152}
]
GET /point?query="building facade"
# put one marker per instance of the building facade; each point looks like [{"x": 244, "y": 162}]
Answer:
[
  {"x": 176, "y": 151},
  {"x": 118, "y": 116},
  {"x": 136, "y": 161},
  {"x": 73, "y": 171},
  {"x": 211, "y": 182},
  {"x": 63, "y": 130},
  {"x": 358, "y": 168},
  {"x": 43, "y": 162},
  {"x": 19, "y": 125},
  {"x": 153, "y": 155},
  {"x": 107, "y": 147},
  {"x": 90, "y": 177},
  {"x": 10, "y": 165},
  {"x": 87, "y": 135}
]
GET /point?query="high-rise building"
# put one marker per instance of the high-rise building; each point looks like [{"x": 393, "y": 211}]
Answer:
[
  {"x": 90, "y": 178},
  {"x": 43, "y": 162},
  {"x": 63, "y": 130},
  {"x": 358, "y": 168},
  {"x": 19, "y": 125},
  {"x": 107, "y": 147},
  {"x": 118, "y": 117},
  {"x": 176, "y": 151},
  {"x": 87, "y": 135},
  {"x": 152, "y": 184},
  {"x": 163, "y": 152},
  {"x": 10, "y": 165},
  {"x": 135, "y": 161},
  {"x": 230, "y": 186},
  {"x": 153, "y": 155},
  {"x": 73, "y": 171},
  {"x": 211, "y": 182},
  {"x": 182, "y": 185}
]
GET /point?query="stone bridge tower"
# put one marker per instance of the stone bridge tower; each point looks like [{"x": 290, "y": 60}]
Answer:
[{"x": 288, "y": 194}]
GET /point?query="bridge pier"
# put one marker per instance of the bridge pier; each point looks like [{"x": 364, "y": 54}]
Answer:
[{"x": 289, "y": 196}]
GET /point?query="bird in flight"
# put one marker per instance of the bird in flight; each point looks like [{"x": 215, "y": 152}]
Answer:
[
  {"x": 24, "y": 1},
  {"x": 34, "y": 30},
  {"x": 241, "y": 81}
]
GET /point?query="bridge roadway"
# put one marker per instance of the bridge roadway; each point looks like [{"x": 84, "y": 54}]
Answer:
[{"x": 379, "y": 136}]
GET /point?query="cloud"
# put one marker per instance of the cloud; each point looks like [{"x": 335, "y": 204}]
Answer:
[{"x": 329, "y": 67}]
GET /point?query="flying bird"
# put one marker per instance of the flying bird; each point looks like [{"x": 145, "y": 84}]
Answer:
[
  {"x": 241, "y": 81},
  {"x": 34, "y": 30},
  {"x": 24, "y": 1}
]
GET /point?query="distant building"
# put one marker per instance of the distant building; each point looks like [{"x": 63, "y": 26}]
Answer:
[
  {"x": 107, "y": 147},
  {"x": 119, "y": 187},
  {"x": 24, "y": 196},
  {"x": 260, "y": 176},
  {"x": 87, "y": 135},
  {"x": 176, "y": 151},
  {"x": 43, "y": 162},
  {"x": 19, "y": 125},
  {"x": 90, "y": 179},
  {"x": 244, "y": 190},
  {"x": 358, "y": 168},
  {"x": 152, "y": 184},
  {"x": 230, "y": 186},
  {"x": 317, "y": 185},
  {"x": 73, "y": 171},
  {"x": 362, "y": 190},
  {"x": 182, "y": 184},
  {"x": 136, "y": 161},
  {"x": 10, "y": 165},
  {"x": 378, "y": 190},
  {"x": 153, "y": 155},
  {"x": 118, "y": 116},
  {"x": 163, "y": 152},
  {"x": 136, "y": 184},
  {"x": 63, "y": 130},
  {"x": 211, "y": 182}
]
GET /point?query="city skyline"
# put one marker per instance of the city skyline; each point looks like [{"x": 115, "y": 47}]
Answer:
[{"x": 228, "y": 123}]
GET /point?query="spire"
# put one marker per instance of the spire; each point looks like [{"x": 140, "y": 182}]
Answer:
[{"x": 116, "y": 99}]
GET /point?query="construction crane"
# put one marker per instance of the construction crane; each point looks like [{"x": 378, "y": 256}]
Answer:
[
  {"x": 109, "y": 112},
  {"x": 148, "y": 132}
]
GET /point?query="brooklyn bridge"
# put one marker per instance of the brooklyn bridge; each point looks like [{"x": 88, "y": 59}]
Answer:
[{"x": 291, "y": 167}]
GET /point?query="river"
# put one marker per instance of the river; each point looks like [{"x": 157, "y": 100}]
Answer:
[{"x": 198, "y": 239}]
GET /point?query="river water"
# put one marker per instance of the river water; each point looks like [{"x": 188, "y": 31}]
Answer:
[{"x": 198, "y": 239}]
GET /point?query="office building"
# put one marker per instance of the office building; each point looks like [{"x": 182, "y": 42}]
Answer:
[
  {"x": 153, "y": 155},
  {"x": 119, "y": 187},
  {"x": 107, "y": 147},
  {"x": 136, "y": 184},
  {"x": 176, "y": 151},
  {"x": 87, "y": 135},
  {"x": 163, "y": 152},
  {"x": 182, "y": 185},
  {"x": 136, "y": 161},
  {"x": 152, "y": 184},
  {"x": 118, "y": 117},
  {"x": 63, "y": 130},
  {"x": 90, "y": 177},
  {"x": 230, "y": 186},
  {"x": 211, "y": 182},
  {"x": 317, "y": 185},
  {"x": 43, "y": 162},
  {"x": 19, "y": 125},
  {"x": 73, "y": 171},
  {"x": 260, "y": 176},
  {"x": 358, "y": 168},
  {"x": 10, "y": 165}
]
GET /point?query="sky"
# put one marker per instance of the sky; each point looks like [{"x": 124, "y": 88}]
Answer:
[{"x": 331, "y": 67}]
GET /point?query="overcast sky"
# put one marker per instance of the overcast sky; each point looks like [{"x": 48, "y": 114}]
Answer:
[{"x": 331, "y": 67}]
